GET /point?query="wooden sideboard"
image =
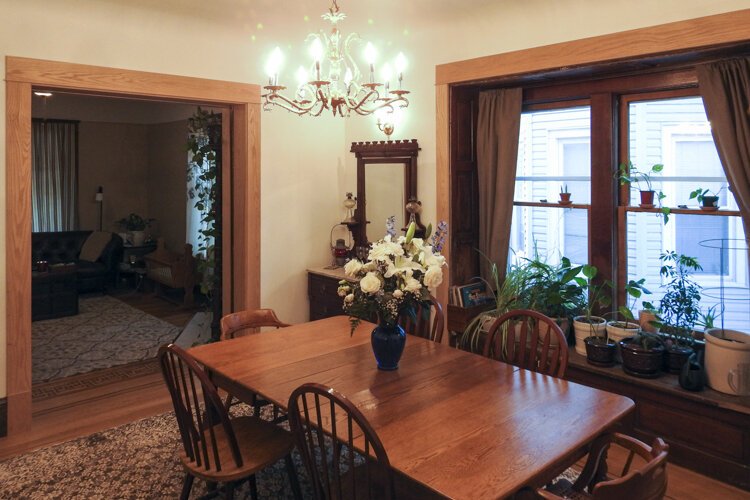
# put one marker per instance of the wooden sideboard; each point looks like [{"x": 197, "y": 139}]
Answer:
[
  {"x": 322, "y": 288},
  {"x": 707, "y": 431}
]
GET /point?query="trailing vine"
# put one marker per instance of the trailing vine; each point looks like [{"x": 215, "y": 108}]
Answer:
[{"x": 201, "y": 176}]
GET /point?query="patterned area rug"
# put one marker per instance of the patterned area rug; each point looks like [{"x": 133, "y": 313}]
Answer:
[
  {"x": 134, "y": 461},
  {"x": 106, "y": 332}
]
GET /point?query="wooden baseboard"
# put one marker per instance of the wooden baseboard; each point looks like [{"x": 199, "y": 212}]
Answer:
[
  {"x": 19, "y": 413},
  {"x": 3, "y": 417}
]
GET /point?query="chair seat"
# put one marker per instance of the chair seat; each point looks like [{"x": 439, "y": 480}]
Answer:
[
  {"x": 267, "y": 442},
  {"x": 564, "y": 489}
]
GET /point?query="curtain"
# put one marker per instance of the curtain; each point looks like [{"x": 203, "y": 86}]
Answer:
[
  {"x": 725, "y": 88},
  {"x": 54, "y": 184},
  {"x": 498, "y": 126}
]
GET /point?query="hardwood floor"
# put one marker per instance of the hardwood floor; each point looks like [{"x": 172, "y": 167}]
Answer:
[{"x": 82, "y": 404}]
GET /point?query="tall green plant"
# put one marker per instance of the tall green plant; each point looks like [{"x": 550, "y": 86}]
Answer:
[
  {"x": 599, "y": 294},
  {"x": 679, "y": 308},
  {"x": 201, "y": 176}
]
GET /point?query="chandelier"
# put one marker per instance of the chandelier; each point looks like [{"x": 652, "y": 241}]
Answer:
[{"x": 333, "y": 80}]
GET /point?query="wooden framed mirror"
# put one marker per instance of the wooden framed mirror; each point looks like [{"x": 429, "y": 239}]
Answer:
[{"x": 386, "y": 182}]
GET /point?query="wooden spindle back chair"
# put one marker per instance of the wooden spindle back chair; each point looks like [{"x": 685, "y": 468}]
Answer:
[
  {"x": 246, "y": 322},
  {"x": 215, "y": 447},
  {"x": 530, "y": 340},
  {"x": 329, "y": 429},
  {"x": 426, "y": 322},
  {"x": 648, "y": 482},
  {"x": 241, "y": 323}
]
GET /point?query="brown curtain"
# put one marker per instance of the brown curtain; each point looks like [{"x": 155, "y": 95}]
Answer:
[
  {"x": 54, "y": 183},
  {"x": 725, "y": 87},
  {"x": 498, "y": 126}
]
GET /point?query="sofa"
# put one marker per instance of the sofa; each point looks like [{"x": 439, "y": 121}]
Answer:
[{"x": 65, "y": 246}]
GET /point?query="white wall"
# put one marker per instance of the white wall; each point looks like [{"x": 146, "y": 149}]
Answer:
[{"x": 306, "y": 166}]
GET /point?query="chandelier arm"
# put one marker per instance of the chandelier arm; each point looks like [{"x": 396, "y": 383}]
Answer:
[
  {"x": 286, "y": 103},
  {"x": 386, "y": 103}
]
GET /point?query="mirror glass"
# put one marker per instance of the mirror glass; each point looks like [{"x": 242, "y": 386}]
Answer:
[{"x": 384, "y": 185}]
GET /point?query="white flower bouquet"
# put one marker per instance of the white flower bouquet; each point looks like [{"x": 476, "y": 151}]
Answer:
[{"x": 398, "y": 276}]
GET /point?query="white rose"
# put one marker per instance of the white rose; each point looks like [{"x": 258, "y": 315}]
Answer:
[
  {"x": 433, "y": 277},
  {"x": 370, "y": 283},
  {"x": 349, "y": 298},
  {"x": 398, "y": 294},
  {"x": 352, "y": 267},
  {"x": 412, "y": 285}
]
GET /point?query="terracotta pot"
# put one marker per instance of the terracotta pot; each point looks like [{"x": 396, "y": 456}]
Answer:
[
  {"x": 640, "y": 362},
  {"x": 600, "y": 352},
  {"x": 644, "y": 321},
  {"x": 647, "y": 198},
  {"x": 565, "y": 197}
]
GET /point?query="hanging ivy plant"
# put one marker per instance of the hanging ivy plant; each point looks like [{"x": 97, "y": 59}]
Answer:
[{"x": 201, "y": 176}]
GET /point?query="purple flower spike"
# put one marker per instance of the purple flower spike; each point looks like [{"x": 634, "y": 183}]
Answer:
[{"x": 438, "y": 238}]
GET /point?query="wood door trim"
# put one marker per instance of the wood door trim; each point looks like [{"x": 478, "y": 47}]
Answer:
[
  {"x": 670, "y": 38},
  {"x": 61, "y": 75},
  {"x": 244, "y": 226}
]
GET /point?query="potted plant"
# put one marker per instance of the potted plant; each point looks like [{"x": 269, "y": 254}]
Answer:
[
  {"x": 679, "y": 307},
  {"x": 136, "y": 226},
  {"x": 564, "y": 195},
  {"x": 530, "y": 284},
  {"x": 618, "y": 330},
  {"x": 588, "y": 325},
  {"x": 707, "y": 198},
  {"x": 642, "y": 354},
  {"x": 628, "y": 174},
  {"x": 553, "y": 291}
]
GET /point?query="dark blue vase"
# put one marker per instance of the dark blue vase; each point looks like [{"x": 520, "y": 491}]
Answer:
[{"x": 388, "y": 344}]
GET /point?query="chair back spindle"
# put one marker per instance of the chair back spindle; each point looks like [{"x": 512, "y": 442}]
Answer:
[
  {"x": 200, "y": 413},
  {"x": 341, "y": 452},
  {"x": 426, "y": 322},
  {"x": 530, "y": 340}
]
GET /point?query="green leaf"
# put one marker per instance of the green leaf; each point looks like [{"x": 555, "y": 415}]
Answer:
[
  {"x": 590, "y": 271},
  {"x": 410, "y": 232},
  {"x": 657, "y": 168},
  {"x": 428, "y": 232}
]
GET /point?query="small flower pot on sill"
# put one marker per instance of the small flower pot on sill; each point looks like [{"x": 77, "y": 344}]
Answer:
[
  {"x": 639, "y": 361},
  {"x": 565, "y": 198},
  {"x": 647, "y": 199},
  {"x": 600, "y": 351},
  {"x": 710, "y": 201}
]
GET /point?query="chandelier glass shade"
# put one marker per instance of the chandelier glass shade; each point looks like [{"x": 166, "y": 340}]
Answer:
[{"x": 333, "y": 81}]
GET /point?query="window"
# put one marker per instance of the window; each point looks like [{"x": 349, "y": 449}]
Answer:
[
  {"x": 554, "y": 154},
  {"x": 676, "y": 132}
]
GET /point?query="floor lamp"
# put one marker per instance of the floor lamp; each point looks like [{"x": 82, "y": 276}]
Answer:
[{"x": 100, "y": 200}]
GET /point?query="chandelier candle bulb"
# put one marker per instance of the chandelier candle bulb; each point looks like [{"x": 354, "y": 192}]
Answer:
[
  {"x": 336, "y": 82},
  {"x": 400, "y": 67},
  {"x": 387, "y": 74}
]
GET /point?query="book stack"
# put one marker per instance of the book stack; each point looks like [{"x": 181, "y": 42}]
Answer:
[{"x": 473, "y": 294}]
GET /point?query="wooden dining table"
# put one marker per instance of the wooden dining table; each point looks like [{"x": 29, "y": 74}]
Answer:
[{"x": 462, "y": 425}]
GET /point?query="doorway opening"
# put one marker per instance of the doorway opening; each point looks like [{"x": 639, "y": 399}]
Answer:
[{"x": 240, "y": 249}]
